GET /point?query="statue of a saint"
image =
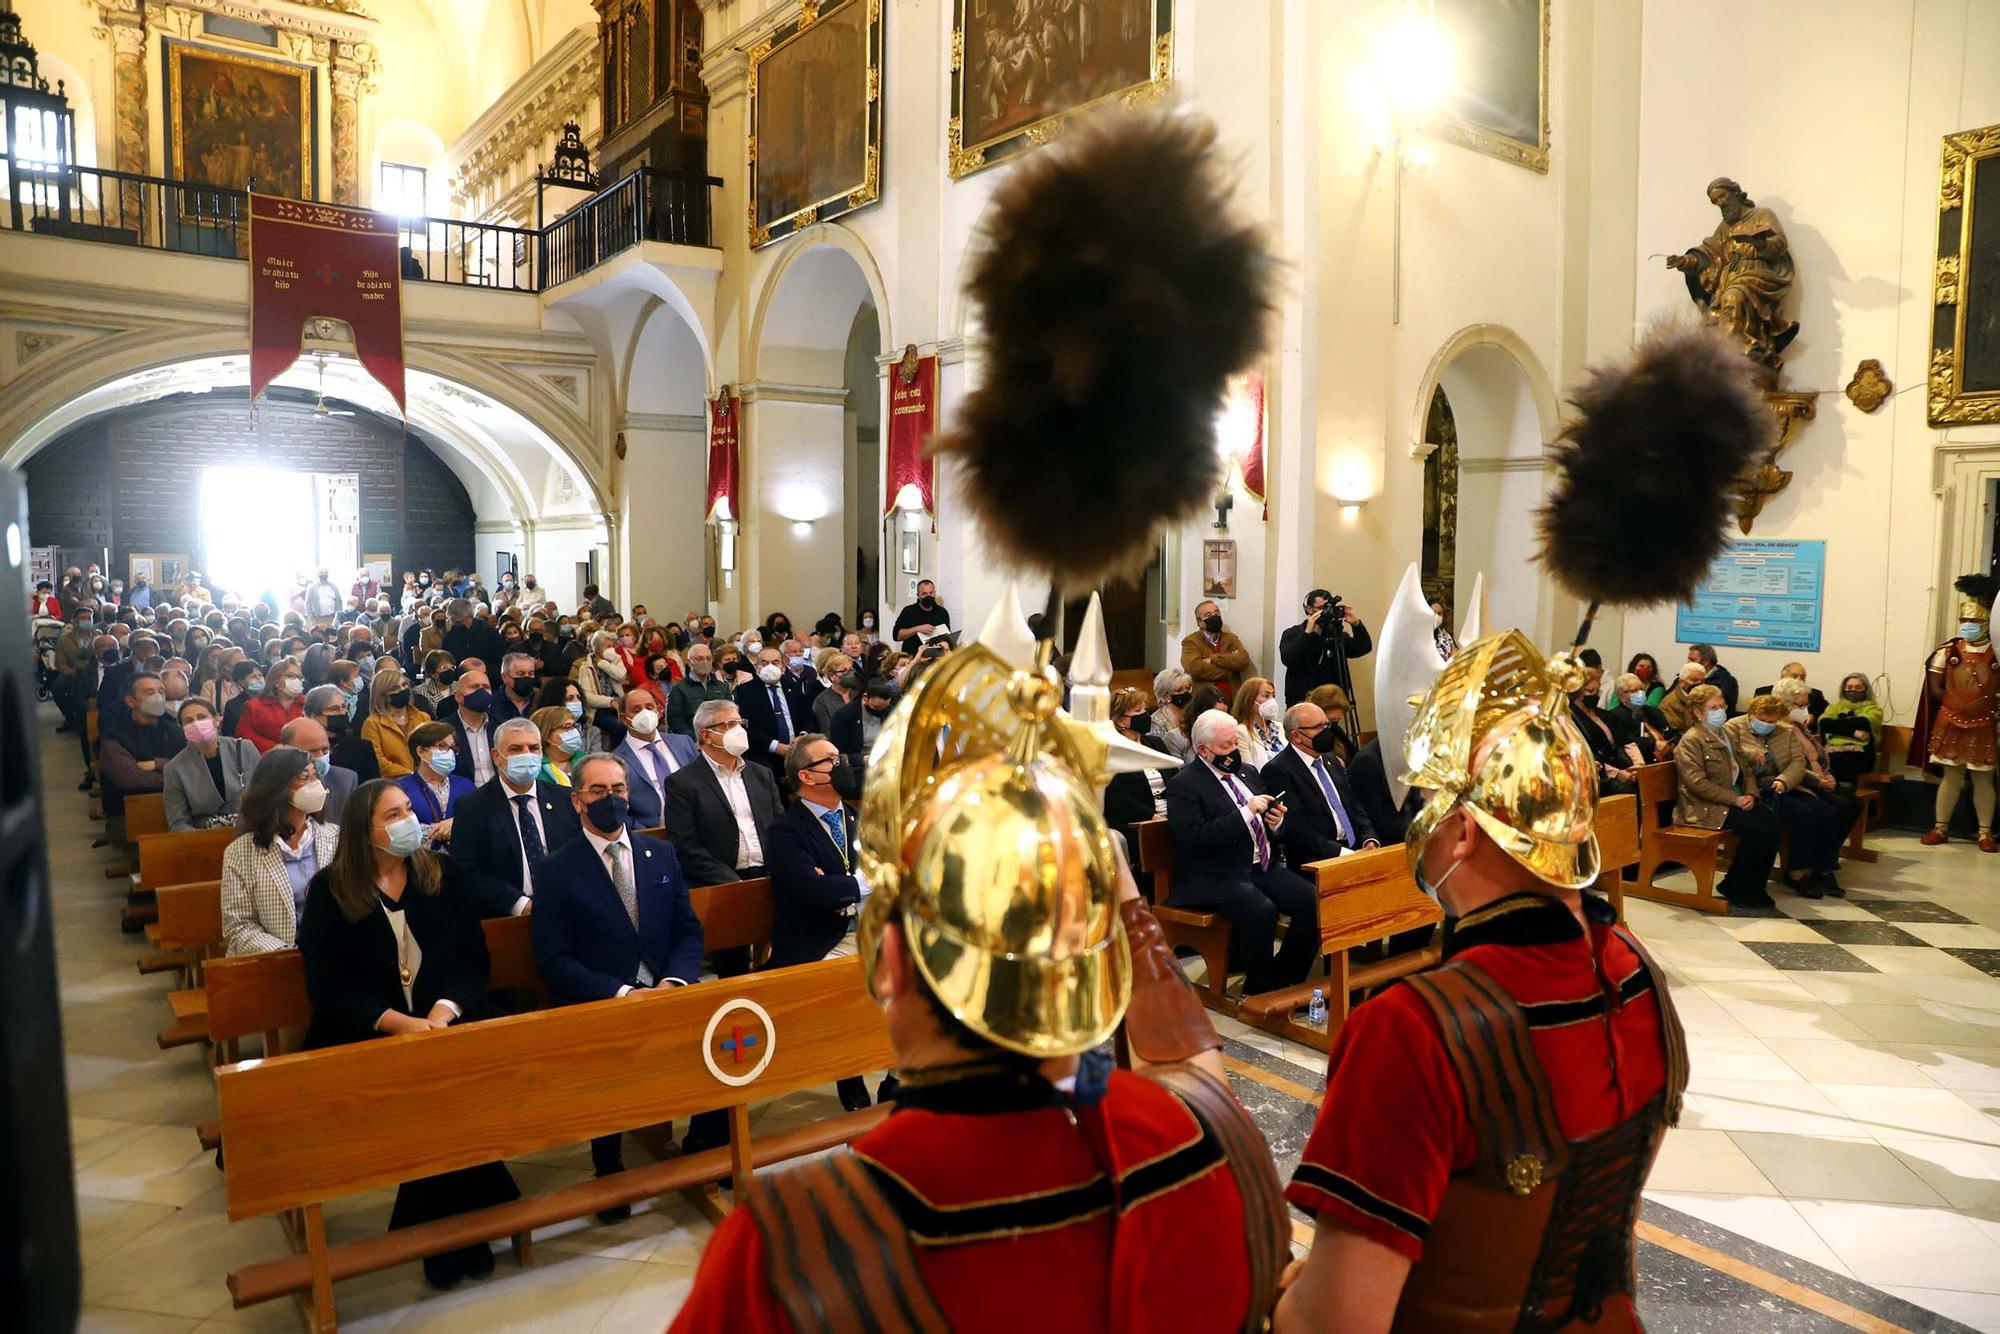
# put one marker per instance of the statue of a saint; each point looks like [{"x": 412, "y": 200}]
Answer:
[{"x": 1741, "y": 273}]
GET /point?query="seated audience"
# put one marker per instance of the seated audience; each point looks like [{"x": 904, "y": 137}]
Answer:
[
  {"x": 283, "y": 845},
  {"x": 311, "y": 738},
  {"x": 204, "y": 783},
  {"x": 612, "y": 917},
  {"x": 1258, "y": 713},
  {"x": 1132, "y": 798},
  {"x": 700, "y": 685},
  {"x": 1647, "y": 668},
  {"x": 1173, "y": 691},
  {"x": 1323, "y": 820},
  {"x": 600, "y": 674},
  {"x": 1605, "y": 738},
  {"x": 1852, "y": 726},
  {"x": 650, "y": 757},
  {"x": 134, "y": 745},
  {"x": 392, "y": 715},
  {"x": 268, "y": 710},
  {"x": 1717, "y": 791},
  {"x": 562, "y": 743},
  {"x": 858, "y": 722},
  {"x": 439, "y": 671},
  {"x": 843, "y": 683},
  {"x": 1819, "y": 779},
  {"x": 1225, "y": 859},
  {"x": 771, "y": 707},
  {"x": 429, "y": 970},
  {"x": 1796, "y": 671},
  {"x": 504, "y": 829},
  {"x": 469, "y": 713},
  {"x": 328, "y": 706},
  {"x": 1775, "y": 758},
  {"x": 1674, "y": 706},
  {"x": 1644, "y": 728},
  {"x": 433, "y": 786}
]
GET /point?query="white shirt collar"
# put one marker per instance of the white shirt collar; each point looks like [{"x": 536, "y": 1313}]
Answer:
[
  {"x": 721, "y": 773},
  {"x": 603, "y": 844}
]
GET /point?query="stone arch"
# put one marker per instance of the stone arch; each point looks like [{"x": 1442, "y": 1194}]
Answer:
[{"x": 815, "y": 240}]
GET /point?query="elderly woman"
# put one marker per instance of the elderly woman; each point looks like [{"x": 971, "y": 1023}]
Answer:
[
  {"x": 1675, "y": 705},
  {"x": 435, "y": 788},
  {"x": 601, "y": 676},
  {"x": 1852, "y": 729},
  {"x": 440, "y": 670},
  {"x": 1173, "y": 691},
  {"x": 1819, "y": 779},
  {"x": 1774, "y": 755},
  {"x": 265, "y": 872},
  {"x": 1647, "y": 735},
  {"x": 1257, "y": 710},
  {"x": 562, "y": 743},
  {"x": 1718, "y": 792},
  {"x": 843, "y": 683}
]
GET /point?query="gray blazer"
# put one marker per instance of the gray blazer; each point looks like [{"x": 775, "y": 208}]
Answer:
[
  {"x": 257, "y": 911},
  {"x": 189, "y": 788}
]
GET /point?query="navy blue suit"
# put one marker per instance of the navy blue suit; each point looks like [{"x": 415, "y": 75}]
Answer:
[
  {"x": 753, "y": 701},
  {"x": 646, "y": 809},
  {"x": 486, "y": 841},
  {"x": 585, "y": 945},
  {"x": 813, "y": 889}
]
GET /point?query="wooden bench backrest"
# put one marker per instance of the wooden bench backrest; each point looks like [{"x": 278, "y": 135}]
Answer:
[
  {"x": 736, "y": 914},
  {"x": 145, "y": 813},
  {"x": 319, "y": 1125},
  {"x": 1370, "y": 895},
  {"x": 191, "y": 915},
  {"x": 1895, "y": 750},
  {"x": 1155, "y": 851},
  {"x": 1657, "y": 783},
  {"x": 1618, "y": 831},
  {"x": 182, "y": 858}
]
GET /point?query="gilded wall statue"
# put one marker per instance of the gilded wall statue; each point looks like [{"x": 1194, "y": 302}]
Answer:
[{"x": 1740, "y": 274}]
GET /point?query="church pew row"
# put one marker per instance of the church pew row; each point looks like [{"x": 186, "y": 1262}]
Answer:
[
  {"x": 172, "y": 859},
  {"x": 310, "y": 1128}
]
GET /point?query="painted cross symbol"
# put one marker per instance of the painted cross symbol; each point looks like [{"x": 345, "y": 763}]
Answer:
[
  {"x": 327, "y": 276},
  {"x": 738, "y": 1042}
]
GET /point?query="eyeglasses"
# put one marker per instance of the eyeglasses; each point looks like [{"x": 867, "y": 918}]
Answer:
[{"x": 597, "y": 790}]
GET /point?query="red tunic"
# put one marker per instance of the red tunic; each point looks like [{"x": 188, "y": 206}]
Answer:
[
  {"x": 1394, "y": 1128},
  {"x": 1021, "y": 1222}
]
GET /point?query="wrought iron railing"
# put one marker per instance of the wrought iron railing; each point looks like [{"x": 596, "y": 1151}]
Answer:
[{"x": 123, "y": 208}]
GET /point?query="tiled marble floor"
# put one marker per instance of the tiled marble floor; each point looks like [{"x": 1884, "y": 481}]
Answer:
[{"x": 1845, "y": 1112}]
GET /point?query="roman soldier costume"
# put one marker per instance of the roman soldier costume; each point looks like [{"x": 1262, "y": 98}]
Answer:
[
  {"x": 1954, "y": 727},
  {"x": 993, "y": 1199},
  {"x": 1494, "y": 1119}
]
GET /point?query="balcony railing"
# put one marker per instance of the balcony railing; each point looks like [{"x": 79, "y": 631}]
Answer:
[{"x": 122, "y": 208}]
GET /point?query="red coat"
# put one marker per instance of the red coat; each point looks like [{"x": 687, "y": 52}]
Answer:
[{"x": 263, "y": 718}]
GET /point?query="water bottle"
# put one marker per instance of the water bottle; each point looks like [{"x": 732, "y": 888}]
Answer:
[{"x": 1316, "y": 1011}]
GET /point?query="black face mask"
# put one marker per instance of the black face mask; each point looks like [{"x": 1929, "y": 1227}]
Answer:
[
  {"x": 336, "y": 724},
  {"x": 1229, "y": 763},
  {"x": 1854, "y": 696},
  {"x": 879, "y": 710},
  {"x": 109, "y": 657},
  {"x": 1326, "y": 740},
  {"x": 708, "y": 632},
  {"x": 447, "y": 675},
  {"x": 478, "y": 701},
  {"x": 608, "y": 812},
  {"x": 1142, "y": 722},
  {"x": 399, "y": 699},
  {"x": 1182, "y": 700},
  {"x": 523, "y": 686},
  {"x": 1212, "y": 624},
  {"x": 847, "y": 780},
  {"x": 927, "y": 603}
]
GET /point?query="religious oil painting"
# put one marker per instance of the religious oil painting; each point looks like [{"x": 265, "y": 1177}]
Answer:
[
  {"x": 816, "y": 118},
  {"x": 1964, "y": 381},
  {"x": 1021, "y": 68},
  {"x": 239, "y": 121},
  {"x": 1498, "y": 102}
]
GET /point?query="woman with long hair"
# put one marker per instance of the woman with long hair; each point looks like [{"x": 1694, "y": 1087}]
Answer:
[
  {"x": 1257, "y": 711},
  {"x": 392, "y": 945},
  {"x": 561, "y": 692},
  {"x": 266, "y": 870},
  {"x": 265, "y": 716},
  {"x": 392, "y": 715}
]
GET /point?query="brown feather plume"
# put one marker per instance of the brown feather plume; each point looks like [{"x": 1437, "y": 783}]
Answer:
[{"x": 1117, "y": 292}]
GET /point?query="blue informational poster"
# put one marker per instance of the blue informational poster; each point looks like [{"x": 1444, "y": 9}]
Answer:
[{"x": 1759, "y": 594}]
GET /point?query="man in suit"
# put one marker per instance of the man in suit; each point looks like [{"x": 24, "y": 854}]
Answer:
[
  {"x": 614, "y": 917},
  {"x": 809, "y": 851},
  {"x": 1715, "y": 674},
  {"x": 311, "y": 738},
  {"x": 470, "y": 715},
  {"x": 327, "y": 706},
  {"x": 501, "y": 833},
  {"x": 650, "y": 757},
  {"x": 470, "y": 638},
  {"x": 1225, "y": 831},
  {"x": 774, "y": 709},
  {"x": 517, "y": 686},
  {"x": 1324, "y": 820}
]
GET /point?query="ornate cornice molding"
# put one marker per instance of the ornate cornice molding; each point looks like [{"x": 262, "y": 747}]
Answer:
[
  {"x": 330, "y": 20},
  {"x": 778, "y": 392},
  {"x": 530, "y": 112},
  {"x": 662, "y": 421}
]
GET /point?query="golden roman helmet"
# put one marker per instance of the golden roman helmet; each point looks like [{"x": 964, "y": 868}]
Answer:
[
  {"x": 982, "y": 837},
  {"x": 1494, "y": 734},
  {"x": 1975, "y": 597}
]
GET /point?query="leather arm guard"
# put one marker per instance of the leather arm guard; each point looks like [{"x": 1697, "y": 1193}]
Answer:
[{"x": 1165, "y": 1021}]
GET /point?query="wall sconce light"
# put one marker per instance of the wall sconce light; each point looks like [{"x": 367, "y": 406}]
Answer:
[{"x": 802, "y": 528}]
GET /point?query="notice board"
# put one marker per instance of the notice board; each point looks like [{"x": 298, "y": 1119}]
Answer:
[{"x": 1759, "y": 594}]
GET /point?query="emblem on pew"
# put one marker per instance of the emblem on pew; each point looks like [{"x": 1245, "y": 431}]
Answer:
[{"x": 739, "y": 1041}]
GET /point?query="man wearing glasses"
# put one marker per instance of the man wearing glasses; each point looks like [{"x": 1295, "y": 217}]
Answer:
[{"x": 591, "y": 944}]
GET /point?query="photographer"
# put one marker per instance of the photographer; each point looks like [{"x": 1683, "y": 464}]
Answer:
[{"x": 1315, "y": 652}]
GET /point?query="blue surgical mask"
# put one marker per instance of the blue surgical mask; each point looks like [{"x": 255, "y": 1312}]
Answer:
[
  {"x": 1762, "y": 728},
  {"x": 1972, "y": 630},
  {"x": 570, "y": 739},
  {"x": 405, "y": 836},
  {"x": 254, "y": 684},
  {"x": 1717, "y": 717},
  {"x": 444, "y": 761},
  {"x": 321, "y": 764},
  {"x": 1636, "y": 698},
  {"x": 521, "y": 769},
  {"x": 575, "y": 707}
]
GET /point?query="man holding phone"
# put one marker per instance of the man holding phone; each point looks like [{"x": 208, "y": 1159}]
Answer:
[{"x": 1226, "y": 840}]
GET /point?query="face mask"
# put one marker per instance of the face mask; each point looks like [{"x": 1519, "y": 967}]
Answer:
[
  {"x": 199, "y": 732},
  {"x": 879, "y": 710},
  {"x": 288, "y": 687},
  {"x": 800, "y": 661},
  {"x": 753, "y": 646},
  {"x": 927, "y": 602},
  {"x": 847, "y": 780},
  {"x": 323, "y": 764},
  {"x": 708, "y": 632},
  {"x": 447, "y": 675},
  {"x": 736, "y": 741},
  {"x": 1717, "y": 717},
  {"x": 405, "y": 836},
  {"x": 1434, "y": 889},
  {"x": 657, "y": 669},
  {"x": 311, "y": 798},
  {"x": 523, "y": 686},
  {"x": 1761, "y": 727},
  {"x": 770, "y": 673},
  {"x": 1854, "y": 696},
  {"x": 1972, "y": 630},
  {"x": 109, "y": 657},
  {"x": 608, "y": 812},
  {"x": 1138, "y": 723},
  {"x": 254, "y": 685},
  {"x": 1182, "y": 700},
  {"x": 521, "y": 769},
  {"x": 1326, "y": 739},
  {"x": 476, "y": 701},
  {"x": 731, "y": 666},
  {"x": 532, "y": 584},
  {"x": 153, "y": 706},
  {"x": 1270, "y": 709},
  {"x": 868, "y": 622},
  {"x": 645, "y": 722},
  {"x": 1212, "y": 624},
  {"x": 1228, "y": 763},
  {"x": 399, "y": 699},
  {"x": 336, "y": 724},
  {"x": 575, "y": 707},
  {"x": 565, "y": 631},
  {"x": 441, "y": 761},
  {"x": 1799, "y": 715},
  {"x": 570, "y": 739}
]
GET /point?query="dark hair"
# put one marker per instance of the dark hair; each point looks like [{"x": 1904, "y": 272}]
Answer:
[
  {"x": 1206, "y": 696},
  {"x": 243, "y": 669},
  {"x": 351, "y": 877},
  {"x": 268, "y": 796},
  {"x": 426, "y": 735},
  {"x": 878, "y": 687},
  {"x": 1637, "y": 658},
  {"x": 1590, "y": 657},
  {"x": 1705, "y": 652},
  {"x": 431, "y": 661},
  {"x": 554, "y": 693}
]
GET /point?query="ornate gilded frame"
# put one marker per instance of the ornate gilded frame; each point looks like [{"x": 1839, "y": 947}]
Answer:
[
  {"x": 176, "y": 53},
  {"x": 1481, "y": 139},
  {"x": 1946, "y": 398},
  {"x": 963, "y": 159},
  {"x": 861, "y": 193}
]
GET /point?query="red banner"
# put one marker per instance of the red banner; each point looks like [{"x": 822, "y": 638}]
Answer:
[
  {"x": 912, "y": 422},
  {"x": 312, "y": 260},
  {"x": 724, "y": 415},
  {"x": 1253, "y": 454}
]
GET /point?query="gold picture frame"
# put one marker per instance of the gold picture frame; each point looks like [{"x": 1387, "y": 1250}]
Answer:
[
  {"x": 1964, "y": 381},
  {"x": 1014, "y": 90},
  {"x": 1492, "y": 108},
  {"x": 212, "y": 95},
  {"x": 810, "y": 161}
]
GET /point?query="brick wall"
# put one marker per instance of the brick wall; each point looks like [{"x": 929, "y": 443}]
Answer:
[{"x": 132, "y": 480}]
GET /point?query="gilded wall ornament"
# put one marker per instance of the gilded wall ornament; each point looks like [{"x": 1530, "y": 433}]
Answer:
[
  {"x": 814, "y": 147},
  {"x": 1964, "y": 381},
  {"x": 1870, "y": 388},
  {"x": 1791, "y": 411}
]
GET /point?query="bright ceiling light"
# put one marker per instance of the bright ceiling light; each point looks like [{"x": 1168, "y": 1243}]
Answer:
[{"x": 1413, "y": 64}]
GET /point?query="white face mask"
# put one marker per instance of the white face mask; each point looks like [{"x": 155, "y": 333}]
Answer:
[
  {"x": 1799, "y": 715},
  {"x": 311, "y": 798},
  {"x": 645, "y": 722},
  {"x": 736, "y": 741},
  {"x": 770, "y": 673},
  {"x": 1270, "y": 709}
]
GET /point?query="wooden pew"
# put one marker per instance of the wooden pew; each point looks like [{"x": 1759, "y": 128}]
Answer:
[
  {"x": 1363, "y": 897},
  {"x": 173, "y": 859},
  {"x": 1206, "y": 933},
  {"x": 190, "y": 925},
  {"x": 1617, "y": 846},
  {"x": 145, "y": 813},
  {"x": 1695, "y": 848},
  {"x": 314, "y": 1127},
  {"x": 1872, "y": 789}
]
